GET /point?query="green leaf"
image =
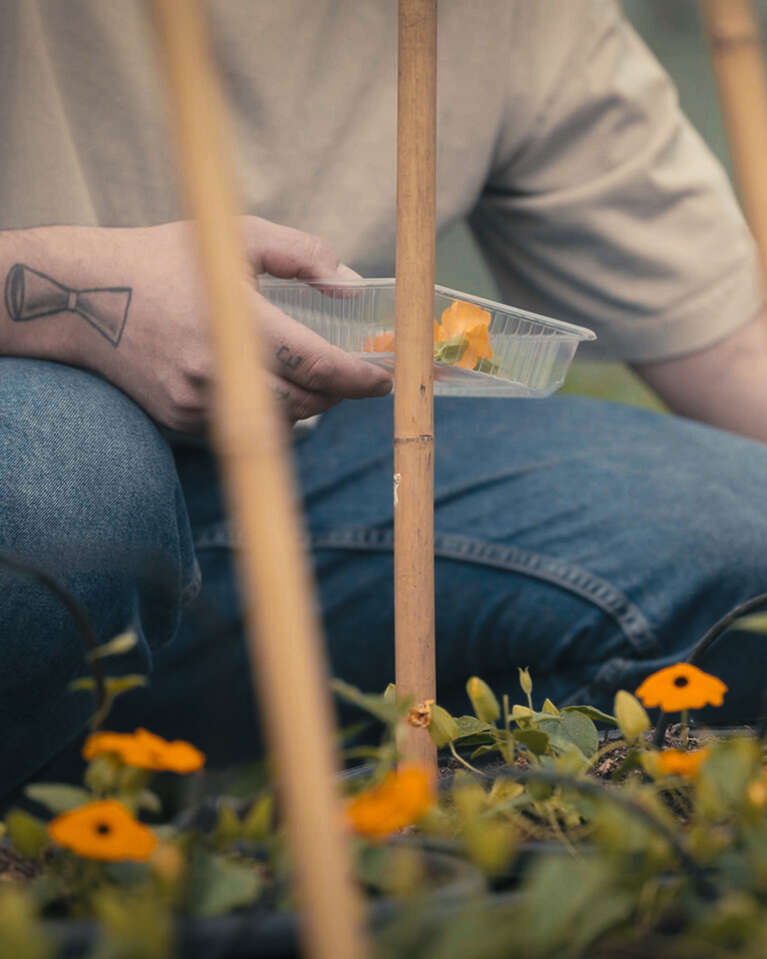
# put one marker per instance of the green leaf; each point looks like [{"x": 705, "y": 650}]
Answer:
[
  {"x": 485, "y": 366},
  {"x": 114, "y": 686},
  {"x": 115, "y": 647},
  {"x": 27, "y": 833},
  {"x": 450, "y": 351},
  {"x": 219, "y": 885},
  {"x": 560, "y": 741},
  {"x": 755, "y": 623},
  {"x": 58, "y": 797},
  {"x": 592, "y": 712},
  {"x": 443, "y": 728},
  {"x": 535, "y": 740},
  {"x": 389, "y": 713},
  {"x": 580, "y": 731},
  {"x": 471, "y": 726},
  {"x": 46, "y": 889},
  {"x": 228, "y": 825}
]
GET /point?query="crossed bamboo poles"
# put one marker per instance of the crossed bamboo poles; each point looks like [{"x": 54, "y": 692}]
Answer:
[{"x": 283, "y": 635}]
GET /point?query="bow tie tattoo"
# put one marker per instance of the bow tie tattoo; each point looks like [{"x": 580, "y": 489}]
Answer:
[{"x": 30, "y": 295}]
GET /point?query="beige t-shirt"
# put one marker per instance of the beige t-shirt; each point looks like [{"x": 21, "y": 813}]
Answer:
[{"x": 559, "y": 137}]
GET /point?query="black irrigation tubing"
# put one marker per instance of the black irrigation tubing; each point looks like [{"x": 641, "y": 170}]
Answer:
[
  {"x": 705, "y": 642},
  {"x": 705, "y": 887},
  {"x": 75, "y": 610}
]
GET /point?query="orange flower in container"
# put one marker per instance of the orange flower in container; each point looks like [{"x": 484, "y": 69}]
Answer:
[
  {"x": 145, "y": 751},
  {"x": 674, "y": 762},
  {"x": 383, "y": 343},
  {"x": 461, "y": 338},
  {"x": 399, "y": 800},
  {"x": 467, "y": 323},
  {"x": 681, "y": 686},
  {"x": 103, "y": 830}
]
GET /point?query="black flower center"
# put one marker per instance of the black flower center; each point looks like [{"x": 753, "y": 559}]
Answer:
[
  {"x": 103, "y": 828},
  {"x": 681, "y": 681}
]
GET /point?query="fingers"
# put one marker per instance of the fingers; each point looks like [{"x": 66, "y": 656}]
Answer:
[
  {"x": 288, "y": 253},
  {"x": 296, "y": 403},
  {"x": 303, "y": 358}
]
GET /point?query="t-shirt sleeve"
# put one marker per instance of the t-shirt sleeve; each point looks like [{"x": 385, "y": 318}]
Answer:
[{"x": 610, "y": 211}]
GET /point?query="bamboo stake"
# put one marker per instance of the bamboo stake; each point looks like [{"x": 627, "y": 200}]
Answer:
[
  {"x": 413, "y": 397},
  {"x": 283, "y": 635},
  {"x": 736, "y": 51}
]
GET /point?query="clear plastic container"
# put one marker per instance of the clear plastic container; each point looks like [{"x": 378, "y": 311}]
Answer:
[{"x": 530, "y": 354}]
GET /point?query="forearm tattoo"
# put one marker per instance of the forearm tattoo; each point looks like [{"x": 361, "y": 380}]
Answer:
[{"x": 30, "y": 295}]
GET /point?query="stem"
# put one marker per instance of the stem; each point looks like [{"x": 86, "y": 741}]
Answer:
[
  {"x": 463, "y": 762},
  {"x": 77, "y": 613},
  {"x": 685, "y": 728}
]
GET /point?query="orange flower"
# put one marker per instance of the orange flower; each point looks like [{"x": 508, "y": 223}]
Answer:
[
  {"x": 146, "y": 751},
  {"x": 399, "y": 800},
  {"x": 470, "y": 323},
  {"x": 103, "y": 830},
  {"x": 681, "y": 686},
  {"x": 674, "y": 762},
  {"x": 464, "y": 326},
  {"x": 383, "y": 343}
]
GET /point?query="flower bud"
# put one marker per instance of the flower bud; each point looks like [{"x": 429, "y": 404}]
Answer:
[
  {"x": 525, "y": 681},
  {"x": 443, "y": 728},
  {"x": 631, "y": 716},
  {"x": 483, "y": 700},
  {"x": 521, "y": 712}
]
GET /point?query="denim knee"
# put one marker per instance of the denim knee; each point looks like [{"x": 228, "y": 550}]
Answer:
[{"x": 88, "y": 493}]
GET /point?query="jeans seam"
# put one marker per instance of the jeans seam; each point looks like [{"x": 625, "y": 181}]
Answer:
[
  {"x": 460, "y": 548},
  {"x": 562, "y": 573}
]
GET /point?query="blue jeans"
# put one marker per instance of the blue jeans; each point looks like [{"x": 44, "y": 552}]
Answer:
[{"x": 592, "y": 542}]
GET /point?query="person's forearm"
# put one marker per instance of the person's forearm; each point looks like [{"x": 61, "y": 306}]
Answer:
[
  {"x": 128, "y": 304},
  {"x": 724, "y": 385},
  {"x": 45, "y": 311}
]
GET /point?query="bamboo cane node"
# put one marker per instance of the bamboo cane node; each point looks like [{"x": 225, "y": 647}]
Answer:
[
  {"x": 723, "y": 41},
  {"x": 420, "y": 715},
  {"x": 421, "y": 438}
]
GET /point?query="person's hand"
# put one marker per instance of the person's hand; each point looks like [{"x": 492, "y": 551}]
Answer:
[{"x": 163, "y": 359}]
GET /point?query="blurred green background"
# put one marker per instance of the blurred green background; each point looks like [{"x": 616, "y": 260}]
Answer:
[{"x": 674, "y": 32}]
